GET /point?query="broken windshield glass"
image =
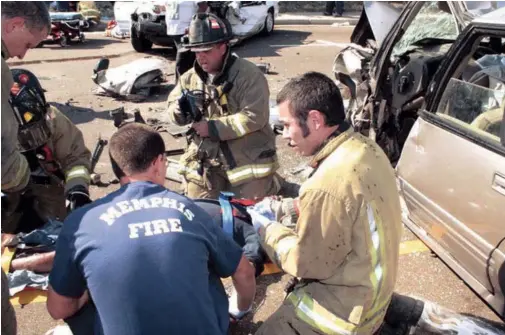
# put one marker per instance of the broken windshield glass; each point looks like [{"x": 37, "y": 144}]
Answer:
[{"x": 432, "y": 22}]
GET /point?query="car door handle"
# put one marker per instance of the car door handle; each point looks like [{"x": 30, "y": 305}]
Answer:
[{"x": 499, "y": 183}]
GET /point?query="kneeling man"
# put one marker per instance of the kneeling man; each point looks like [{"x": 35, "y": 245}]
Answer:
[{"x": 150, "y": 258}]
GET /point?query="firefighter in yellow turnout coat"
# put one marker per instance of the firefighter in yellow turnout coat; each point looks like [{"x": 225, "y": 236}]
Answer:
[
  {"x": 344, "y": 248},
  {"x": 233, "y": 147},
  {"x": 54, "y": 147}
]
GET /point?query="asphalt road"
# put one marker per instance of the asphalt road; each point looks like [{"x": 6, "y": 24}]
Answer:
[{"x": 290, "y": 51}]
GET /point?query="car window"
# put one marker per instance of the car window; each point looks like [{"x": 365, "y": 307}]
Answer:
[
  {"x": 477, "y": 108},
  {"x": 432, "y": 21}
]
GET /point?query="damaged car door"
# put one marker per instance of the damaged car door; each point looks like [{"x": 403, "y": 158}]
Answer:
[
  {"x": 387, "y": 74},
  {"x": 452, "y": 168}
]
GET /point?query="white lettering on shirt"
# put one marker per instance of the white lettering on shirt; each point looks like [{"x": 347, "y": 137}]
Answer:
[
  {"x": 128, "y": 206},
  {"x": 175, "y": 225},
  {"x": 189, "y": 215},
  {"x": 110, "y": 216},
  {"x": 140, "y": 204},
  {"x": 158, "y": 227},
  {"x": 147, "y": 227},
  {"x": 156, "y": 202},
  {"x": 134, "y": 229},
  {"x": 125, "y": 207},
  {"x": 169, "y": 203}
]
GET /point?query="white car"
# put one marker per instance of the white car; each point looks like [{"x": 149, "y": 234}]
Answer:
[{"x": 164, "y": 23}]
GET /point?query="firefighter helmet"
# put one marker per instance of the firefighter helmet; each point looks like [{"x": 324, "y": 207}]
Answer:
[
  {"x": 30, "y": 109},
  {"x": 205, "y": 30}
]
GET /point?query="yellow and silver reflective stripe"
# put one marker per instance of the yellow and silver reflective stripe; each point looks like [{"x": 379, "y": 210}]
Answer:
[
  {"x": 377, "y": 253},
  {"x": 21, "y": 173},
  {"x": 78, "y": 171},
  {"x": 377, "y": 247},
  {"x": 283, "y": 246},
  {"x": 238, "y": 123},
  {"x": 251, "y": 171},
  {"x": 309, "y": 310},
  {"x": 376, "y": 315},
  {"x": 318, "y": 317}
]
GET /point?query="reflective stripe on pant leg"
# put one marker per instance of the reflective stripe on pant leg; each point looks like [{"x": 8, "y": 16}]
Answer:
[
  {"x": 308, "y": 310},
  {"x": 318, "y": 317}
]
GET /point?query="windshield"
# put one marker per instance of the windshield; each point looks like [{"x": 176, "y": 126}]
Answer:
[{"x": 434, "y": 20}]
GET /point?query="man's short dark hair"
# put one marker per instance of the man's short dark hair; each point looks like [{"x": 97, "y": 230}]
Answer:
[
  {"x": 35, "y": 13},
  {"x": 133, "y": 148},
  {"x": 313, "y": 91}
]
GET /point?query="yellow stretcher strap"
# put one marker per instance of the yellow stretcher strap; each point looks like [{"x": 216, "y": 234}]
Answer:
[
  {"x": 28, "y": 297},
  {"x": 24, "y": 297},
  {"x": 7, "y": 255}
]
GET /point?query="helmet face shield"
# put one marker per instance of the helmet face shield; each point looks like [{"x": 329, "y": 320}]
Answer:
[
  {"x": 30, "y": 109},
  {"x": 34, "y": 135}
]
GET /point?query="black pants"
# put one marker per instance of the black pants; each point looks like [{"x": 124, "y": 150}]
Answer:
[{"x": 330, "y": 5}]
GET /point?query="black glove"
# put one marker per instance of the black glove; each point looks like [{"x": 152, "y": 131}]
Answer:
[
  {"x": 290, "y": 285},
  {"x": 77, "y": 196}
]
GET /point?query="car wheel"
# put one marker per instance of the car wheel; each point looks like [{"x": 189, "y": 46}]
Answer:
[
  {"x": 268, "y": 27},
  {"x": 139, "y": 42},
  {"x": 63, "y": 41}
]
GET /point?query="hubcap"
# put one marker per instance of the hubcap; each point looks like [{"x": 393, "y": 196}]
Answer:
[{"x": 270, "y": 22}]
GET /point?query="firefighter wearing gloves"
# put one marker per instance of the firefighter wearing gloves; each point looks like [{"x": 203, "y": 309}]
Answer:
[
  {"x": 57, "y": 157},
  {"x": 344, "y": 248},
  {"x": 225, "y": 99}
]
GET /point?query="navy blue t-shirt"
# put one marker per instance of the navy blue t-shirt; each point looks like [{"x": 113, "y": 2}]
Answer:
[{"x": 151, "y": 260}]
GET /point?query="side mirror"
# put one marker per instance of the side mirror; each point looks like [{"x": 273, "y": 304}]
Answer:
[{"x": 103, "y": 64}]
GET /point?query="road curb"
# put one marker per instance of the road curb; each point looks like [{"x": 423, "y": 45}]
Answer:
[
  {"x": 69, "y": 59},
  {"x": 308, "y": 21}
]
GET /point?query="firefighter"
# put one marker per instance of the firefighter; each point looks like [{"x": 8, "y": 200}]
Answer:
[
  {"x": 19, "y": 33},
  {"x": 24, "y": 25},
  {"x": 186, "y": 58},
  {"x": 344, "y": 247},
  {"x": 226, "y": 101},
  {"x": 57, "y": 157}
]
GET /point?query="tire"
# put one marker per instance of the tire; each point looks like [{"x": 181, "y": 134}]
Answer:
[
  {"x": 64, "y": 41},
  {"x": 139, "y": 42},
  {"x": 269, "y": 25}
]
